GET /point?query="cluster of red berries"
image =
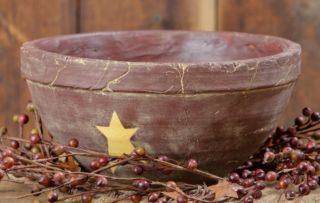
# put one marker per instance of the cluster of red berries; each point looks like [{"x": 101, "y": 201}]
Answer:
[{"x": 289, "y": 159}]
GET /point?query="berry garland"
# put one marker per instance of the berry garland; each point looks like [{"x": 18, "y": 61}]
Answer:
[{"x": 289, "y": 160}]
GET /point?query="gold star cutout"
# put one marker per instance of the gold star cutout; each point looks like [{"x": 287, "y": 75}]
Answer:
[{"x": 118, "y": 137}]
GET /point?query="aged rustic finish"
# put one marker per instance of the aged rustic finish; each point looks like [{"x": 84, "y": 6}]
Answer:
[{"x": 190, "y": 94}]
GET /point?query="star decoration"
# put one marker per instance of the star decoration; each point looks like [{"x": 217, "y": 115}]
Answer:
[{"x": 118, "y": 137}]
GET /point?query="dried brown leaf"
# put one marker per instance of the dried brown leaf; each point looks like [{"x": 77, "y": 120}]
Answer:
[
  {"x": 174, "y": 195},
  {"x": 73, "y": 164},
  {"x": 223, "y": 189}
]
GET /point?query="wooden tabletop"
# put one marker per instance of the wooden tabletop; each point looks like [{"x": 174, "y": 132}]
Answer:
[{"x": 10, "y": 191}]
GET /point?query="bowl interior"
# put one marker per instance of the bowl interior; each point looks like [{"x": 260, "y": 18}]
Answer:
[{"x": 165, "y": 46}]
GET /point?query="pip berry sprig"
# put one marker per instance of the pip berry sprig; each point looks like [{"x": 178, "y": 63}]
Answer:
[
  {"x": 289, "y": 161},
  {"x": 53, "y": 169}
]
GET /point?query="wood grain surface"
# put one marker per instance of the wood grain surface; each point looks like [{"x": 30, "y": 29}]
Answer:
[
  {"x": 99, "y": 15},
  {"x": 20, "y": 22},
  {"x": 293, "y": 19},
  {"x": 9, "y": 192}
]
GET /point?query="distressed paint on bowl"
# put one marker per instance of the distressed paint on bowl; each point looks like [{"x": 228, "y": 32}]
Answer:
[{"x": 211, "y": 96}]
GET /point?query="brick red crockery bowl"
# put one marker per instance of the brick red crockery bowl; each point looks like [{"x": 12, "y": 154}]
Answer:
[{"x": 211, "y": 96}]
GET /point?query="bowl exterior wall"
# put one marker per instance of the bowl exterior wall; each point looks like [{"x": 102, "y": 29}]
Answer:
[{"x": 220, "y": 129}]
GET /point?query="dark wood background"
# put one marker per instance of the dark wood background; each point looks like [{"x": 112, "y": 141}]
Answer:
[{"x": 21, "y": 21}]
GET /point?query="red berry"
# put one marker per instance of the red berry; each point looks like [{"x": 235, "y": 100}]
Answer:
[
  {"x": 304, "y": 189},
  {"x": 153, "y": 197},
  {"x": 165, "y": 158},
  {"x": 307, "y": 111},
  {"x": 284, "y": 183},
  {"x": 103, "y": 161},
  {"x": 268, "y": 157},
  {"x": 246, "y": 173},
  {"x": 233, "y": 177},
  {"x": 136, "y": 198},
  {"x": 44, "y": 180},
  {"x": 95, "y": 164},
  {"x": 294, "y": 141},
  {"x": 102, "y": 181},
  {"x": 52, "y": 197},
  {"x": 316, "y": 165},
  {"x": 143, "y": 185},
  {"x": 303, "y": 166},
  {"x": 38, "y": 156},
  {"x": 86, "y": 198},
  {"x": 248, "y": 199},
  {"x": 259, "y": 174},
  {"x": 23, "y": 119},
  {"x": 248, "y": 182},
  {"x": 162, "y": 200},
  {"x": 14, "y": 144},
  {"x": 138, "y": 170},
  {"x": 35, "y": 139},
  {"x": 260, "y": 185},
  {"x": 271, "y": 176},
  {"x": 192, "y": 164},
  {"x": 313, "y": 184},
  {"x": 171, "y": 185},
  {"x": 7, "y": 152},
  {"x": 311, "y": 146},
  {"x": 290, "y": 195},
  {"x": 299, "y": 121},
  {"x": 182, "y": 199},
  {"x": 73, "y": 142},
  {"x": 311, "y": 170},
  {"x": 287, "y": 151},
  {"x": 58, "y": 178},
  {"x": 257, "y": 194},
  {"x": 8, "y": 162},
  {"x": 315, "y": 116},
  {"x": 292, "y": 131}
]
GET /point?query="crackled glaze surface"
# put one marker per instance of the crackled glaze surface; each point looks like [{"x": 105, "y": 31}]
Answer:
[{"x": 211, "y": 96}]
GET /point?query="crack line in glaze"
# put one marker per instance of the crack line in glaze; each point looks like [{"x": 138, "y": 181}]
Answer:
[
  {"x": 117, "y": 79},
  {"x": 286, "y": 75},
  {"x": 57, "y": 75},
  {"x": 181, "y": 71},
  {"x": 101, "y": 92},
  {"x": 102, "y": 76}
]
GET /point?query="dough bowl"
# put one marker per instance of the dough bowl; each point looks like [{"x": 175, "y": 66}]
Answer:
[{"x": 211, "y": 96}]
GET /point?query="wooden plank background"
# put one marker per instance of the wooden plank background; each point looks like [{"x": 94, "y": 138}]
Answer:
[
  {"x": 29, "y": 19},
  {"x": 293, "y": 19},
  {"x": 21, "y": 21}
]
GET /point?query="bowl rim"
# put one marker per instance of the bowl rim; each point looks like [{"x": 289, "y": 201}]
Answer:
[
  {"x": 290, "y": 49},
  {"x": 59, "y": 70}
]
